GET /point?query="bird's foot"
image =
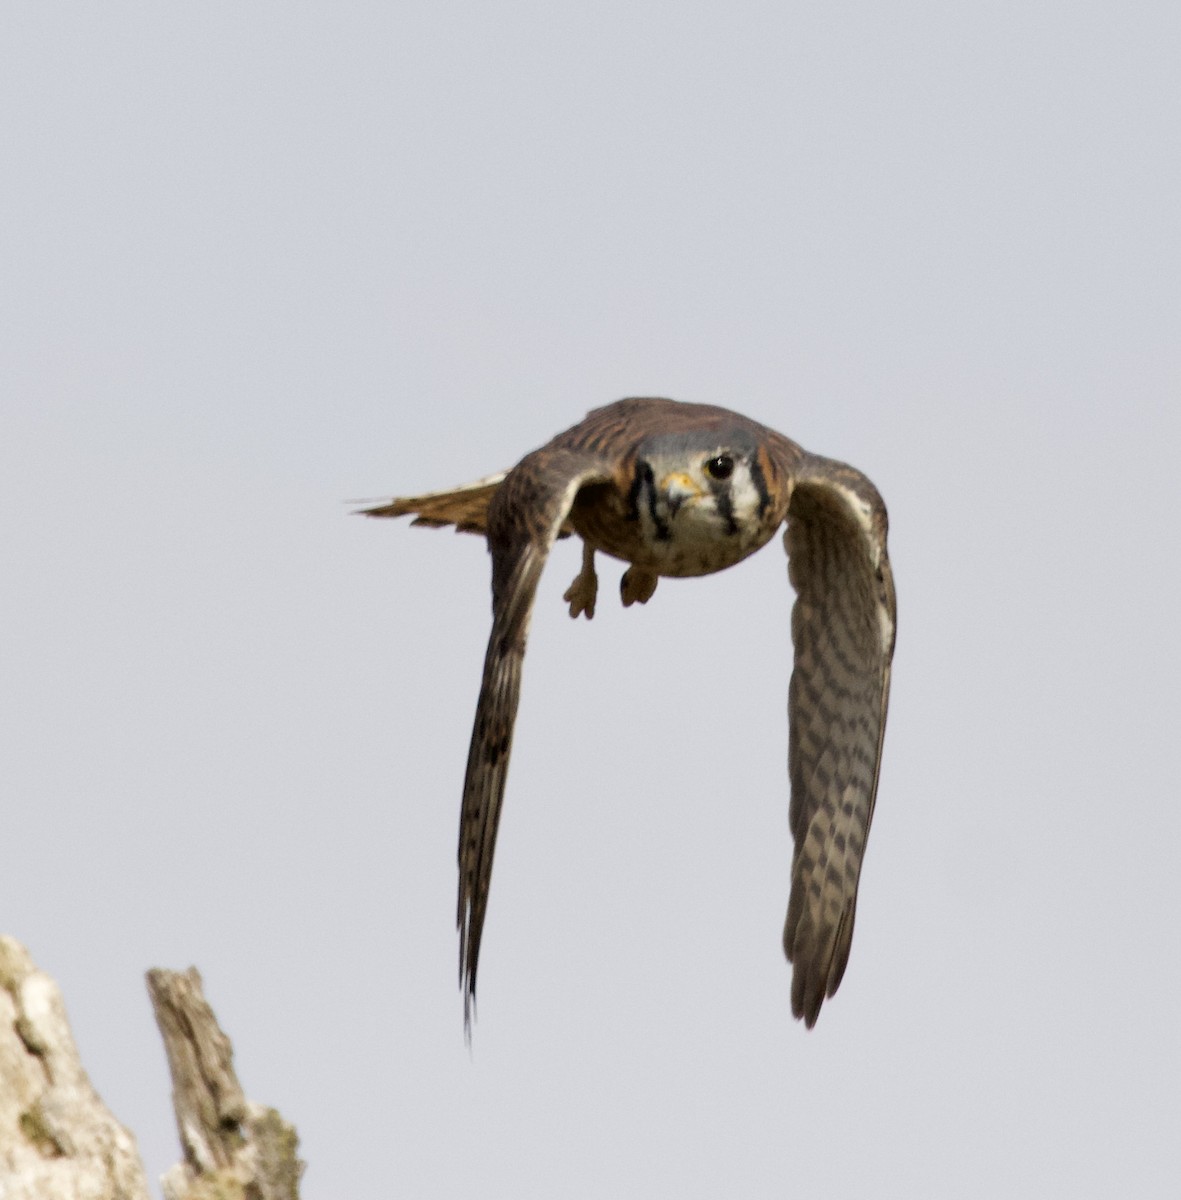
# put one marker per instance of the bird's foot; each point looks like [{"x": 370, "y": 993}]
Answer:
[
  {"x": 637, "y": 586},
  {"x": 585, "y": 589}
]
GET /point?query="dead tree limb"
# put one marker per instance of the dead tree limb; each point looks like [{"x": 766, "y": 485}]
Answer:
[
  {"x": 231, "y": 1147},
  {"x": 58, "y": 1141}
]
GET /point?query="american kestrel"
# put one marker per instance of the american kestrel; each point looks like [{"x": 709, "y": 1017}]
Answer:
[{"x": 687, "y": 489}]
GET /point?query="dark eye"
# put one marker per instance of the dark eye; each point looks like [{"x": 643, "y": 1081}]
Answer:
[{"x": 720, "y": 467}]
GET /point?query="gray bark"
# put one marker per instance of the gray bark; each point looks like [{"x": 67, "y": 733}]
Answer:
[
  {"x": 58, "y": 1141},
  {"x": 232, "y": 1147}
]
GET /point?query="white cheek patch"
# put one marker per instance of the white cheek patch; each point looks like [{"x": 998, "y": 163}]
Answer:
[{"x": 744, "y": 495}]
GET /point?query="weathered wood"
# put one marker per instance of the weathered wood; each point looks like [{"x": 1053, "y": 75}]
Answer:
[
  {"x": 58, "y": 1141},
  {"x": 233, "y": 1149}
]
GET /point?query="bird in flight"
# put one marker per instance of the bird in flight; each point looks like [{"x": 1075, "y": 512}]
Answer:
[{"x": 680, "y": 490}]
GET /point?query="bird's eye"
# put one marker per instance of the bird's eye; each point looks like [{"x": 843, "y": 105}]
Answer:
[{"x": 721, "y": 466}]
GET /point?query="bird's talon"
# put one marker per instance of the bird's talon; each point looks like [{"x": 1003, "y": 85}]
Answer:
[
  {"x": 636, "y": 586},
  {"x": 583, "y": 592}
]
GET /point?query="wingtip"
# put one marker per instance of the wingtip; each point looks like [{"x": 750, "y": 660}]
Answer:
[
  {"x": 806, "y": 999},
  {"x": 468, "y": 984}
]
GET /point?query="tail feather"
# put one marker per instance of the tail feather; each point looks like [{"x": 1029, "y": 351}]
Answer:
[{"x": 464, "y": 507}]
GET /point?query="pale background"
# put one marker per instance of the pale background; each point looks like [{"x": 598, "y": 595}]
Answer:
[{"x": 261, "y": 258}]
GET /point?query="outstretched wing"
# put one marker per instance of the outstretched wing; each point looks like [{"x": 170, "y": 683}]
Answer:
[
  {"x": 843, "y": 630},
  {"x": 526, "y": 515},
  {"x": 465, "y": 507}
]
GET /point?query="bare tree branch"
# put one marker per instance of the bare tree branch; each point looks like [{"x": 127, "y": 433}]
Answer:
[
  {"x": 58, "y": 1141},
  {"x": 228, "y": 1142}
]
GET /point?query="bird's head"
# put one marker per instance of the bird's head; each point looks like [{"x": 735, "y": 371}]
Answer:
[{"x": 699, "y": 487}]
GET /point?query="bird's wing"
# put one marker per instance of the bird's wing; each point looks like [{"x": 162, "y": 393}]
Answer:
[
  {"x": 465, "y": 507},
  {"x": 526, "y": 515},
  {"x": 843, "y": 631}
]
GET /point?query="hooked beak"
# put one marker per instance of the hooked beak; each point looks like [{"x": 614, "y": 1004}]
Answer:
[{"x": 676, "y": 488}]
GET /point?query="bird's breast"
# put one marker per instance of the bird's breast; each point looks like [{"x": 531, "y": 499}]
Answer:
[{"x": 603, "y": 517}]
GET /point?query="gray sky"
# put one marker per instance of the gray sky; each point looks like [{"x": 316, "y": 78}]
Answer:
[{"x": 259, "y": 259}]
